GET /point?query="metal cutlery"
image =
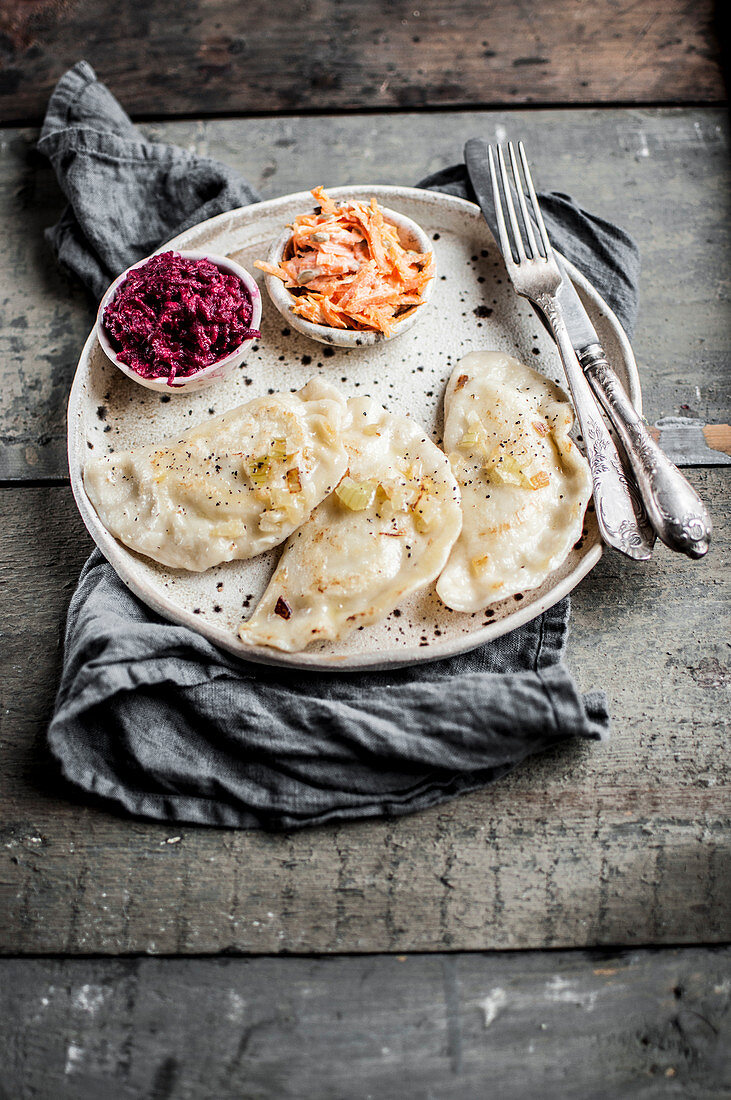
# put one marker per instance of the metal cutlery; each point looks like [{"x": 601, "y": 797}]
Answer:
[
  {"x": 537, "y": 277},
  {"x": 674, "y": 509}
]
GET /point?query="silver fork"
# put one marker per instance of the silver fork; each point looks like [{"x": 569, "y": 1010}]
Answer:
[{"x": 537, "y": 278}]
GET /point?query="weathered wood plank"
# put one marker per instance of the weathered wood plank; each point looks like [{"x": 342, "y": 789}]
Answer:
[
  {"x": 689, "y": 442},
  {"x": 662, "y": 174},
  {"x": 624, "y": 843},
  {"x": 564, "y": 1025},
  {"x": 718, "y": 437},
  {"x": 207, "y": 57}
]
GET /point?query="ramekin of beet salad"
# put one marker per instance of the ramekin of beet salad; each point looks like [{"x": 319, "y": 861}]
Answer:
[{"x": 179, "y": 320}]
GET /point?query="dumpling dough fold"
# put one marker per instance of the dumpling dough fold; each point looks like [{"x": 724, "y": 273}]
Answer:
[
  {"x": 524, "y": 483},
  {"x": 384, "y": 533},
  {"x": 229, "y": 488}
]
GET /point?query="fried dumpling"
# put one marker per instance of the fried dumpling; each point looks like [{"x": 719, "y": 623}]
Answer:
[
  {"x": 524, "y": 483},
  {"x": 229, "y": 488},
  {"x": 385, "y": 532}
]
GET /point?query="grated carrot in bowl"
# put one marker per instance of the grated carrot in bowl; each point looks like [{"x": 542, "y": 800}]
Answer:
[{"x": 345, "y": 267}]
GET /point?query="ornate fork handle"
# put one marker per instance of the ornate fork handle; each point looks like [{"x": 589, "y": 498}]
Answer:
[
  {"x": 676, "y": 511},
  {"x": 621, "y": 519}
]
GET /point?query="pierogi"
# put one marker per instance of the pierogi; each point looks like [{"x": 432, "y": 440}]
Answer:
[
  {"x": 385, "y": 532},
  {"x": 524, "y": 483},
  {"x": 229, "y": 488}
]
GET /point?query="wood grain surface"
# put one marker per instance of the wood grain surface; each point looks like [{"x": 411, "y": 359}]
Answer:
[
  {"x": 689, "y": 442},
  {"x": 562, "y": 1025},
  {"x": 621, "y": 843},
  {"x": 608, "y": 846},
  {"x": 661, "y": 174},
  {"x": 208, "y": 57}
]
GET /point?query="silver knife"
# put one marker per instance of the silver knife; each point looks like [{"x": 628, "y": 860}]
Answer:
[{"x": 672, "y": 506}]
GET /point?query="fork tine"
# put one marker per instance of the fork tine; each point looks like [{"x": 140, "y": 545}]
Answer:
[
  {"x": 527, "y": 221},
  {"x": 534, "y": 201},
  {"x": 511, "y": 208},
  {"x": 505, "y": 247}
]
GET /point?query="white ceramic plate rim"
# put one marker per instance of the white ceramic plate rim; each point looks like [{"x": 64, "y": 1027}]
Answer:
[{"x": 409, "y": 655}]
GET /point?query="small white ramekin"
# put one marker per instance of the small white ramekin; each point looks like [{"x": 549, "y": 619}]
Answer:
[
  {"x": 412, "y": 237},
  {"x": 207, "y": 375}
]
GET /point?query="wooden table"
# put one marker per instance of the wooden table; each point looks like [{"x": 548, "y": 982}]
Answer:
[{"x": 562, "y": 930}]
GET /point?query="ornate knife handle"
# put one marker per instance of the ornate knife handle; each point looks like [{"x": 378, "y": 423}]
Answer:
[
  {"x": 621, "y": 520},
  {"x": 675, "y": 510}
]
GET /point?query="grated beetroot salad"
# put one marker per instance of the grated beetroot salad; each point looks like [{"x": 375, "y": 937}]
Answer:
[{"x": 174, "y": 316}]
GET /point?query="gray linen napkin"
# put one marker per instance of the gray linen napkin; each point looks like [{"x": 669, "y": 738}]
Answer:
[
  {"x": 126, "y": 195},
  {"x": 153, "y": 718}
]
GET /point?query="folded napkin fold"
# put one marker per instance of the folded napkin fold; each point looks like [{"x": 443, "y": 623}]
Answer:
[
  {"x": 155, "y": 717},
  {"x": 126, "y": 195},
  {"x": 151, "y": 716}
]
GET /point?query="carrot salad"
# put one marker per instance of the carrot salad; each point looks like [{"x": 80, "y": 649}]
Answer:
[{"x": 346, "y": 267}]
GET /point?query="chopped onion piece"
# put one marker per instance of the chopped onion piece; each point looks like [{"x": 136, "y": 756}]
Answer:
[
  {"x": 356, "y": 495},
  {"x": 272, "y": 520},
  {"x": 506, "y": 468},
  {"x": 469, "y": 440},
  {"x": 426, "y": 512},
  {"x": 259, "y": 471},
  {"x": 293, "y": 481}
]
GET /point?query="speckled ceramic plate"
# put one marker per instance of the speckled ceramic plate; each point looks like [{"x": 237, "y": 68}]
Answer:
[{"x": 472, "y": 307}]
